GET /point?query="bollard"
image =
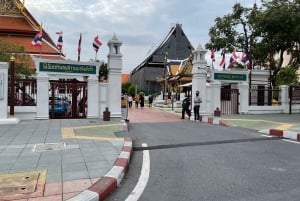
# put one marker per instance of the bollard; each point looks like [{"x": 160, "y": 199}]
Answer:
[
  {"x": 106, "y": 115},
  {"x": 217, "y": 112}
]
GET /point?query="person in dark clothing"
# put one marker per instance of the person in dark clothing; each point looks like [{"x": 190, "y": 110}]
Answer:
[
  {"x": 150, "y": 99},
  {"x": 142, "y": 101},
  {"x": 186, "y": 107}
]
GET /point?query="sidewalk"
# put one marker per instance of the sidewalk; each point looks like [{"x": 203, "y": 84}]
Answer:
[{"x": 58, "y": 159}]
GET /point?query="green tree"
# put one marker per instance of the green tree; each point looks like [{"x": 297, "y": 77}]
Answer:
[
  {"x": 287, "y": 76},
  {"x": 103, "y": 72},
  {"x": 8, "y": 49},
  {"x": 133, "y": 89}
]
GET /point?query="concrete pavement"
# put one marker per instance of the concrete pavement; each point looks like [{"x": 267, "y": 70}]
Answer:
[{"x": 83, "y": 159}]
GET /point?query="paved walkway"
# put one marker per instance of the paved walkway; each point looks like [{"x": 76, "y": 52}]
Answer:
[{"x": 57, "y": 160}]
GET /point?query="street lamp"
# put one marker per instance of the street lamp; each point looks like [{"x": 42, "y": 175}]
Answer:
[{"x": 12, "y": 86}]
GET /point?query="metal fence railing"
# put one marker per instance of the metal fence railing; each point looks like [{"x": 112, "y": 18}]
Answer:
[{"x": 264, "y": 96}]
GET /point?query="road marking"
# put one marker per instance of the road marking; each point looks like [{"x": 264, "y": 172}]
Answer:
[
  {"x": 287, "y": 140},
  {"x": 291, "y": 141},
  {"x": 143, "y": 179}
]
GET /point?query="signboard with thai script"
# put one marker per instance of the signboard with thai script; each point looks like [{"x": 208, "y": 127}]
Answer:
[
  {"x": 230, "y": 76},
  {"x": 67, "y": 68}
]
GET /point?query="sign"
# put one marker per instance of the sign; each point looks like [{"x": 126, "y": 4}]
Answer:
[
  {"x": 230, "y": 76},
  {"x": 67, "y": 68}
]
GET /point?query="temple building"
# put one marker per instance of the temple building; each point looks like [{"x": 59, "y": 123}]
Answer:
[
  {"x": 19, "y": 27},
  {"x": 148, "y": 74}
]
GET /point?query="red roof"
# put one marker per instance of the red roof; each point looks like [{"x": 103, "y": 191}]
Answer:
[{"x": 125, "y": 78}]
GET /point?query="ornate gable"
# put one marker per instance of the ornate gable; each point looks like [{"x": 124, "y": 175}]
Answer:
[{"x": 8, "y": 7}]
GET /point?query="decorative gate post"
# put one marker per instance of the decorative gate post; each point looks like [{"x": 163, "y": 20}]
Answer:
[
  {"x": 199, "y": 77},
  {"x": 42, "y": 103},
  {"x": 4, "y": 96},
  {"x": 114, "y": 77}
]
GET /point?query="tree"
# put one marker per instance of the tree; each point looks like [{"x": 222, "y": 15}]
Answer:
[
  {"x": 8, "y": 49},
  {"x": 103, "y": 72},
  {"x": 287, "y": 76},
  {"x": 272, "y": 29}
]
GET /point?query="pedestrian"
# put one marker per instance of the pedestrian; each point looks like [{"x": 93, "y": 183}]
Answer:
[
  {"x": 137, "y": 100},
  {"x": 197, "y": 101},
  {"x": 186, "y": 107},
  {"x": 130, "y": 99},
  {"x": 142, "y": 101},
  {"x": 150, "y": 100}
]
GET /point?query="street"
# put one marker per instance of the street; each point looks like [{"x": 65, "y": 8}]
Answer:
[{"x": 197, "y": 161}]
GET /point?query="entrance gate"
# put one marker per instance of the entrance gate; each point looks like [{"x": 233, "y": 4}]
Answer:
[
  {"x": 229, "y": 101},
  {"x": 67, "y": 99}
]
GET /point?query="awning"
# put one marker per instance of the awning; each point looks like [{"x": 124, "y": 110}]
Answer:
[{"x": 186, "y": 85}]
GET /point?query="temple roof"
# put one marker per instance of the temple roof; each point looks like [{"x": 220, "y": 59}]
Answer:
[
  {"x": 176, "y": 45},
  {"x": 18, "y": 26}
]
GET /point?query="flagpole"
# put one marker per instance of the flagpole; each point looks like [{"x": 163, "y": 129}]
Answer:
[{"x": 96, "y": 56}]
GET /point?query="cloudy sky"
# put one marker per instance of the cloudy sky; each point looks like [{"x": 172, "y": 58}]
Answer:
[{"x": 139, "y": 24}]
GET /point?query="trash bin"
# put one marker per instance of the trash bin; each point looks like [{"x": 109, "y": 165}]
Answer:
[{"x": 106, "y": 115}]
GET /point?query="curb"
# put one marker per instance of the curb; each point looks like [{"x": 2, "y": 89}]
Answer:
[
  {"x": 111, "y": 180},
  {"x": 213, "y": 120},
  {"x": 285, "y": 134}
]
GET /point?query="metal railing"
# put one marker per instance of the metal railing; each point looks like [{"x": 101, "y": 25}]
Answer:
[{"x": 264, "y": 96}]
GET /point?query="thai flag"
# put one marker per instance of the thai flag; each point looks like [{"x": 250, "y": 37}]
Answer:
[
  {"x": 222, "y": 63},
  {"x": 212, "y": 55},
  {"x": 37, "y": 41},
  {"x": 233, "y": 59},
  {"x": 60, "y": 40},
  {"x": 97, "y": 43},
  {"x": 245, "y": 60}
]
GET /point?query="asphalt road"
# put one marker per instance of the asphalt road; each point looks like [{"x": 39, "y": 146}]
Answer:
[{"x": 195, "y": 161}]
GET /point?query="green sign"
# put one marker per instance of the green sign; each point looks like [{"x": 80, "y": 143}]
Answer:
[
  {"x": 230, "y": 76},
  {"x": 67, "y": 68}
]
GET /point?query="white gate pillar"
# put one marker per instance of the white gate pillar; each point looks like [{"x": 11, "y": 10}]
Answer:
[
  {"x": 284, "y": 98},
  {"x": 243, "y": 97},
  {"x": 114, "y": 77},
  {"x": 93, "y": 96},
  {"x": 199, "y": 77},
  {"x": 216, "y": 95},
  {"x": 3, "y": 90},
  {"x": 42, "y": 103}
]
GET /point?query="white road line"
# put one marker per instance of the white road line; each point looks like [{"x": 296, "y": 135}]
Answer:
[
  {"x": 144, "y": 177},
  {"x": 287, "y": 140},
  {"x": 291, "y": 141}
]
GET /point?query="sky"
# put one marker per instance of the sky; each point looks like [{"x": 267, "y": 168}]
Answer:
[{"x": 139, "y": 24}]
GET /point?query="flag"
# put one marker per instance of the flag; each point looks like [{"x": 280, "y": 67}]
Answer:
[
  {"x": 222, "y": 63},
  {"x": 212, "y": 55},
  {"x": 37, "y": 41},
  {"x": 60, "y": 40},
  {"x": 245, "y": 60},
  {"x": 233, "y": 59},
  {"x": 79, "y": 47},
  {"x": 97, "y": 43}
]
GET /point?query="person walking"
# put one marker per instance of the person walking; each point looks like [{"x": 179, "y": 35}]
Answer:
[
  {"x": 142, "y": 101},
  {"x": 186, "y": 107},
  {"x": 137, "y": 100},
  {"x": 130, "y": 99},
  {"x": 197, "y": 101},
  {"x": 150, "y": 99}
]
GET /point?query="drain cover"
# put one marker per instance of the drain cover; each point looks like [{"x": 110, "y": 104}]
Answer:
[
  {"x": 49, "y": 147},
  {"x": 20, "y": 183}
]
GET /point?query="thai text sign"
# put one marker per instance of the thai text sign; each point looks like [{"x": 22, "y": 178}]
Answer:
[
  {"x": 230, "y": 76},
  {"x": 67, "y": 68}
]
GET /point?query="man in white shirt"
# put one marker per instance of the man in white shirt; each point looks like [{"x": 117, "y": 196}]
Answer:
[{"x": 197, "y": 101}]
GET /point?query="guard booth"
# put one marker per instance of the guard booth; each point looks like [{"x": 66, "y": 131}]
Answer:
[{"x": 63, "y": 89}]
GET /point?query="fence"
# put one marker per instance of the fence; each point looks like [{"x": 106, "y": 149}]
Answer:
[
  {"x": 261, "y": 96},
  {"x": 25, "y": 92}
]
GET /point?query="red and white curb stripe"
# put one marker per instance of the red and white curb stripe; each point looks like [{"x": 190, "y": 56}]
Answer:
[
  {"x": 285, "y": 134},
  {"x": 213, "y": 120},
  {"x": 293, "y": 135},
  {"x": 109, "y": 182}
]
